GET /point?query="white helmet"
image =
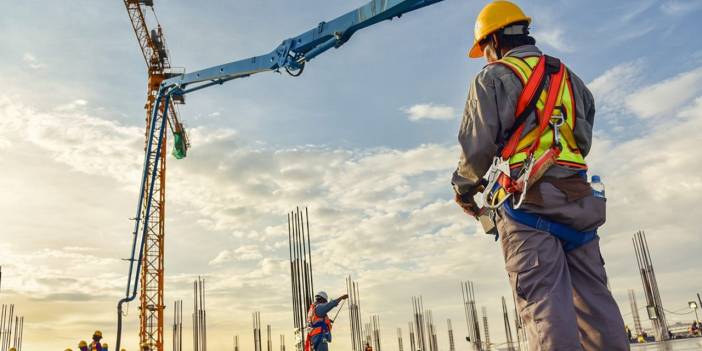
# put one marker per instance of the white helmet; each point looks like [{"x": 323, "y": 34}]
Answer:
[{"x": 323, "y": 295}]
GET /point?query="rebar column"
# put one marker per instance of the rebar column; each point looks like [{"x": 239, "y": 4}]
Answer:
[
  {"x": 399, "y": 340},
  {"x": 302, "y": 286},
  {"x": 472, "y": 319},
  {"x": 654, "y": 305},
  {"x": 486, "y": 329},
  {"x": 508, "y": 326},
  {"x": 452, "y": 344}
]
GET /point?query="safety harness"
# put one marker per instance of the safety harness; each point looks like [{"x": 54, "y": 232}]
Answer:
[
  {"x": 536, "y": 151},
  {"x": 317, "y": 325}
]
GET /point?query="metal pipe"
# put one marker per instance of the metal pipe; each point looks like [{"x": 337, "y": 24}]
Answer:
[{"x": 147, "y": 210}]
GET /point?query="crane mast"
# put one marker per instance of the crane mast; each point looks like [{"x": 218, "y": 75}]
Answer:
[{"x": 151, "y": 299}]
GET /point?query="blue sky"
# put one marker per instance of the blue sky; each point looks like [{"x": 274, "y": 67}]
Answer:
[{"x": 366, "y": 138}]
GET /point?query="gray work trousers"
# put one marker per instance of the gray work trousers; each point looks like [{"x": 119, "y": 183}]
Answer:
[{"x": 562, "y": 297}]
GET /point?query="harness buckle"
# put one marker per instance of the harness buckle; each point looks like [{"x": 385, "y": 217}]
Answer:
[{"x": 491, "y": 192}]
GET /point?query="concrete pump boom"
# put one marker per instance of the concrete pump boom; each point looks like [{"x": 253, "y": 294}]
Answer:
[{"x": 292, "y": 55}]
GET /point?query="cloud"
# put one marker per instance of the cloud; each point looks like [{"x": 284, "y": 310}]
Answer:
[
  {"x": 554, "y": 37},
  {"x": 383, "y": 215},
  {"x": 32, "y": 61},
  {"x": 430, "y": 111},
  {"x": 222, "y": 257},
  {"x": 680, "y": 7},
  {"x": 665, "y": 97}
]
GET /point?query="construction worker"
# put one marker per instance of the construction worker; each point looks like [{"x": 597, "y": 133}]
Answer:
[
  {"x": 104, "y": 347},
  {"x": 83, "y": 346},
  {"x": 368, "y": 347},
  {"x": 319, "y": 323},
  {"x": 527, "y": 125},
  {"x": 95, "y": 345}
]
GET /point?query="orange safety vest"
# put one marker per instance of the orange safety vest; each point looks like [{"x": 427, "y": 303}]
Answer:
[
  {"x": 313, "y": 320},
  {"x": 317, "y": 325},
  {"x": 556, "y": 100}
]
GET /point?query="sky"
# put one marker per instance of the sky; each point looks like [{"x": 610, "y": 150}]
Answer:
[{"x": 365, "y": 138}]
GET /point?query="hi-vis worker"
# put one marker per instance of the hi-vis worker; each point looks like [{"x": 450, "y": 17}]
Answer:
[
  {"x": 96, "y": 345},
  {"x": 318, "y": 323},
  {"x": 527, "y": 126}
]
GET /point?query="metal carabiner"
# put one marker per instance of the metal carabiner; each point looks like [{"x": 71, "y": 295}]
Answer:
[
  {"x": 523, "y": 181},
  {"x": 560, "y": 119},
  {"x": 498, "y": 167}
]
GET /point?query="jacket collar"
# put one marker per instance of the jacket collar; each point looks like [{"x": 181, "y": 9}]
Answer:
[{"x": 524, "y": 51}]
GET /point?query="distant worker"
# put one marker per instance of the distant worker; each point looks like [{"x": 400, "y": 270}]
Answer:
[
  {"x": 530, "y": 118},
  {"x": 95, "y": 345},
  {"x": 104, "y": 347},
  {"x": 368, "y": 347},
  {"x": 145, "y": 347},
  {"x": 319, "y": 323},
  {"x": 83, "y": 346}
]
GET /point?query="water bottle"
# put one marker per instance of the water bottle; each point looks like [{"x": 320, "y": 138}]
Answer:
[{"x": 598, "y": 188}]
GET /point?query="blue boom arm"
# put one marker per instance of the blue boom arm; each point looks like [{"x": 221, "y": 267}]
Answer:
[{"x": 293, "y": 53}]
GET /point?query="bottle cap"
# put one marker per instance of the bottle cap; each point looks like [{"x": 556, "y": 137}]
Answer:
[{"x": 596, "y": 179}]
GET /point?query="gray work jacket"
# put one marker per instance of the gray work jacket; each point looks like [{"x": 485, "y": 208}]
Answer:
[{"x": 489, "y": 112}]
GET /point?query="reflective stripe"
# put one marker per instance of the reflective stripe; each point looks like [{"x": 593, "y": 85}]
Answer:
[{"x": 570, "y": 155}]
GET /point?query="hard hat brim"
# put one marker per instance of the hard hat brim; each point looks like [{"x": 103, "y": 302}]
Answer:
[{"x": 476, "y": 51}]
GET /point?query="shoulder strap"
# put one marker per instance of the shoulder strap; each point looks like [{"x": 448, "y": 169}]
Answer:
[{"x": 526, "y": 104}]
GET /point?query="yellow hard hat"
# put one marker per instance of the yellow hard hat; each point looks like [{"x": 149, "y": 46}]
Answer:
[
  {"x": 97, "y": 333},
  {"x": 82, "y": 343},
  {"x": 68, "y": 350},
  {"x": 104, "y": 345},
  {"x": 13, "y": 349},
  {"x": 494, "y": 16}
]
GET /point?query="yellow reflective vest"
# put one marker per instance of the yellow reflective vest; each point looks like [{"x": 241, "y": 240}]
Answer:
[{"x": 570, "y": 155}]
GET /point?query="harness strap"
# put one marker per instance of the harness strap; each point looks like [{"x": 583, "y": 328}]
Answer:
[
  {"x": 528, "y": 99},
  {"x": 572, "y": 238}
]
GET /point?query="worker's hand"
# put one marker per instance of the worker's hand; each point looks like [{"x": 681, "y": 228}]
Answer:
[
  {"x": 467, "y": 203},
  {"x": 344, "y": 297}
]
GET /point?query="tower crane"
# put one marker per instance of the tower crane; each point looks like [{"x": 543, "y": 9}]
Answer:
[
  {"x": 153, "y": 48},
  {"x": 166, "y": 88}
]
